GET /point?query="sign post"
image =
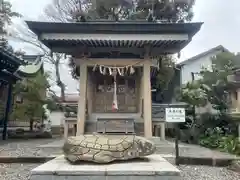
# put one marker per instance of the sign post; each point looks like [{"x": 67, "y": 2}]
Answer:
[{"x": 175, "y": 115}]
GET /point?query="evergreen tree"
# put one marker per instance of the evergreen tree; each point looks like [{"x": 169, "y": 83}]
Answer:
[
  {"x": 216, "y": 79},
  {"x": 151, "y": 10},
  {"x": 213, "y": 84},
  {"x": 32, "y": 92}
]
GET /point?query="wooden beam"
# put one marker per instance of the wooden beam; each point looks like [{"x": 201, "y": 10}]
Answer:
[
  {"x": 114, "y": 37},
  {"x": 79, "y": 51}
]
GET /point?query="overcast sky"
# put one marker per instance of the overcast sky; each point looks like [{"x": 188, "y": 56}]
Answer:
[{"x": 221, "y": 25}]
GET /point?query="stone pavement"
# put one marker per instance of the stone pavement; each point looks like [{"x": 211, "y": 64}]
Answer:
[
  {"x": 165, "y": 148},
  {"x": 22, "y": 172},
  {"x": 189, "y": 150}
]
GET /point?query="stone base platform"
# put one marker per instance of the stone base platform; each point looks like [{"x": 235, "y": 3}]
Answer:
[{"x": 154, "y": 167}]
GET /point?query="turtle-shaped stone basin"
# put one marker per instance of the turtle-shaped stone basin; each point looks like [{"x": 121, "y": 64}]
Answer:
[{"x": 106, "y": 148}]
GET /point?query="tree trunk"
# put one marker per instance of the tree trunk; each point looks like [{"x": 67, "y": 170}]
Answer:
[{"x": 59, "y": 82}]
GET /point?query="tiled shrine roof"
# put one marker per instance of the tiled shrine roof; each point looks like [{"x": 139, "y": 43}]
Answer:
[
  {"x": 120, "y": 27},
  {"x": 126, "y": 37}
]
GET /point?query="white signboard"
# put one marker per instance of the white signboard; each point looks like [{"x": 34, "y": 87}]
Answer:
[{"x": 175, "y": 115}]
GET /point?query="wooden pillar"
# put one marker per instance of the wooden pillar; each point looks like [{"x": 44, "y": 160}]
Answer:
[
  {"x": 81, "y": 116},
  {"x": 7, "y": 111},
  {"x": 147, "y": 102}
]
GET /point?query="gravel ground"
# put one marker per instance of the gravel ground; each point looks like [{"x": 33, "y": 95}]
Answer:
[
  {"x": 31, "y": 148},
  {"x": 16, "y": 171},
  {"x": 22, "y": 172},
  {"x": 207, "y": 173},
  {"x": 27, "y": 148}
]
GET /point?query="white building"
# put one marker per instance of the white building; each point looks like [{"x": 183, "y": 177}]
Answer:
[{"x": 191, "y": 68}]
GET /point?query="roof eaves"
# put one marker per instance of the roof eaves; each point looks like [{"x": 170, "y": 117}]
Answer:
[
  {"x": 11, "y": 56},
  {"x": 220, "y": 47},
  {"x": 113, "y": 27}
]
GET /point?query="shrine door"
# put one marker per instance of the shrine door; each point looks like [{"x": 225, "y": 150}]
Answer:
[{"x": 126, "y": 95}]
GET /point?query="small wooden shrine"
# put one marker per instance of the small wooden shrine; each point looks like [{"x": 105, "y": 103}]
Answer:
[
  {"x": 9, "y": 64},
  {"x": 12, "y": 69},
  {"x": 115, "y": 62}
]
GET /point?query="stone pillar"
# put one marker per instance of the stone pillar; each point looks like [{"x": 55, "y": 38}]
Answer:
[
  {"x": 66, "y": 130},
  {"x": 162, "y": 125},
  {"x": 81, "y": 115},
  {"x": 74, "y": 131},
  {"x": 147, "y": 100},
  {"x": 238, "y": 131}
]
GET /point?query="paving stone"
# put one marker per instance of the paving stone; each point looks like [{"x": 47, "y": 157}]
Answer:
[{"x": 155, "y": 167}]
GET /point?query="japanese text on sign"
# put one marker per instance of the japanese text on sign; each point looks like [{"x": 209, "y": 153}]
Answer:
[{"x": 175, "y": 115}]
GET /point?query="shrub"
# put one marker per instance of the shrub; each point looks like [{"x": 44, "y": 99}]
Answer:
[
  {"x": 230, "y": 144},
  {"x": 216, "y": 139},
  {"x": 211, "y": 138}
]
